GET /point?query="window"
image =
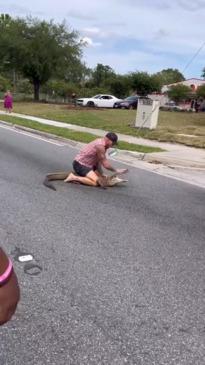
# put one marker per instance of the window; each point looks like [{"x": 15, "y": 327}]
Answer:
[{"x": 106, "y": 97}]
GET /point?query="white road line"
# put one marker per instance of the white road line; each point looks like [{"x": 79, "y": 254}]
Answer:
[{"x": 12, "y": 129}]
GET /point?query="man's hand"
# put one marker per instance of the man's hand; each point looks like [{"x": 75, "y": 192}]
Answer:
[{"x": 121, "y": 171}]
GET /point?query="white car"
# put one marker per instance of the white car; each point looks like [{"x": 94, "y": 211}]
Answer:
[{"x": 101, "y": 101}]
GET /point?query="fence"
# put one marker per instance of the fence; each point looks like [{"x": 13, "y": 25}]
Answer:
[{"x": 46, "y": 98}]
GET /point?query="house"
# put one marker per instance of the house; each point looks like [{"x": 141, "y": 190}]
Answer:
[
  {"x": 163, "y": 98},
  {"x": 192, "y": 83}
]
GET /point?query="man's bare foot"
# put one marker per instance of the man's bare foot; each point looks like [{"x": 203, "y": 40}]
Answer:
[{"x": 70, "y": 177}]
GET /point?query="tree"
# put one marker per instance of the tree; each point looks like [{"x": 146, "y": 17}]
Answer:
[
  {"x": 119, "y": 86},
  {"x": 75, "y": 73},
  {"x": 156, "y": 83},
  {"x": 59, "y": 88},
  {"x": 4, "y": 83},
  {"x": 200, "y": 92},
  {"x": 179, "y": 93},
  {"x": 203, "y": 73},
  {"x": 170, "y": 76},
  {"x": 142, "y": 83},
  {"x": 101, "y": 74},
  {"x": 39, "y": 49}
]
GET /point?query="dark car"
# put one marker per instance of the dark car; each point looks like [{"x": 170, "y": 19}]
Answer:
[{"x": 129, "y": 103}]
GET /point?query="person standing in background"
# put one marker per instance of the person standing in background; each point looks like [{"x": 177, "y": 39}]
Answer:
[
  {"x": 73, "y": 98},
  {"x": 8, "y": 101},
  {"x": 197, "y": 105}
]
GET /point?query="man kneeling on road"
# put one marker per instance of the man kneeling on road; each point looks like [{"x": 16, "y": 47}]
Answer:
[{"x": 89, "y": 162}]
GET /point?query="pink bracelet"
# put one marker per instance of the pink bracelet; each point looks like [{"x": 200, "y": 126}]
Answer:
[{"x": 4, "y": 277}]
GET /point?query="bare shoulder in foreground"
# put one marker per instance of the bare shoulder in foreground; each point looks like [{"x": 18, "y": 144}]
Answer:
[{"x": 9, "y": 289}]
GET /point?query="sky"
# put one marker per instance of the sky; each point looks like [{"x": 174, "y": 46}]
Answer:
[{"x": 129, "y": 35}]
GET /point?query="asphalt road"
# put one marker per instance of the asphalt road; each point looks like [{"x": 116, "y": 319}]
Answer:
[{"x": 117, "y": 275}]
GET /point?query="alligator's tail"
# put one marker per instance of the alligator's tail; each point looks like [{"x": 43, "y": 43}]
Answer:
[
  {"x": 103, "y": 182},
  {"x": 55, "y": 176}
]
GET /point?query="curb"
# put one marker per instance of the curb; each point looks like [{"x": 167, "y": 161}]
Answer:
[
  {"x": 40, "y": 133},
  {"x": 165, "y": 160}
]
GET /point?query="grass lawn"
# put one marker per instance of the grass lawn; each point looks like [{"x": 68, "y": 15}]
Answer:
[
  {"x": 75, "y": 135},
  {"x": 186, "y": 128}
]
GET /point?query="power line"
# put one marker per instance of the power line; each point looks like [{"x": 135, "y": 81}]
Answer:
[{"x": 194, "y": 56}]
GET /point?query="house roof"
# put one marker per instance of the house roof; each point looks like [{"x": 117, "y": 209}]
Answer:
[{"x": 191, "y": 79}]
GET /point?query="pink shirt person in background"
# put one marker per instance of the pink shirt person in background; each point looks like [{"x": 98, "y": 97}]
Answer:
[{"x": 8, "y": 101}]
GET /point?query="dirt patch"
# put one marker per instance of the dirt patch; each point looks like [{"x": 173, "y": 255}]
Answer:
[
  {"x": 78, "y": 107},
  {"x": 156, "y": 162}
]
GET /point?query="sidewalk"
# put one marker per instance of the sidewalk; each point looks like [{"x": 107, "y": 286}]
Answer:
[{"x": 185, "y": 162}]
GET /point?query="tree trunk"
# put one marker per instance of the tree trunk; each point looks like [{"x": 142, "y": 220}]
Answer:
[{"x": 36, "y": 85}]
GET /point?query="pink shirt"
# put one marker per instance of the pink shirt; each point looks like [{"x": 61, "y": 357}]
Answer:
[{"x": 88, "y": 155}]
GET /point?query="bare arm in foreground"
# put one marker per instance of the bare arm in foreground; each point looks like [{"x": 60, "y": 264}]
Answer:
[{"x": 9, "y": 290}]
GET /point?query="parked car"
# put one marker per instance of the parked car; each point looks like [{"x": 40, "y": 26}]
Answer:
[
  {"x": 101, "y": 100},
  {"x": 129, "y": 103},
  {"x": 170, "y": 105}
]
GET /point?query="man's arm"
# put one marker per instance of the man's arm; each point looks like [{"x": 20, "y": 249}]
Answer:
[
  {"x": 9, "y": 291},
  {"x": 99, "y": 169},
  {"x": 102, "y": 160},
  {"x": 105, "y": 163}
]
